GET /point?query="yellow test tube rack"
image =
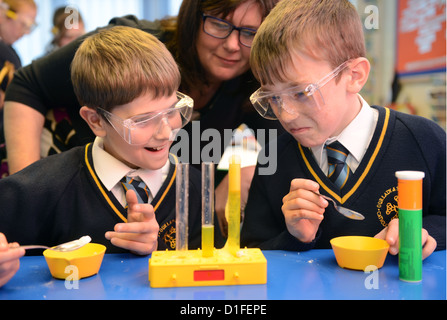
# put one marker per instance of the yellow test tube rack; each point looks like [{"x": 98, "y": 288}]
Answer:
[{"x": 230, "y": 265}]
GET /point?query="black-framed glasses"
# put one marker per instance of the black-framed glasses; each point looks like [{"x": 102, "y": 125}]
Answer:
[{"x": 221, "y": 29}]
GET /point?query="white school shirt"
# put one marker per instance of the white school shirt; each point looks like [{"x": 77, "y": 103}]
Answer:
[
  {"x": 110, "y": 171},
  {"x": 355, "y": 137}
]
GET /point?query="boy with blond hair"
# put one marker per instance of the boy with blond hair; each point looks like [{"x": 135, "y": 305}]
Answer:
[
  {"x": 119, "y": 190},
  {"x": 309, "y": 57}
]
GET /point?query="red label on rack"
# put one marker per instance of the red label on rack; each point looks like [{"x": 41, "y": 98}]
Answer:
[{"x": 209, "y": 275}]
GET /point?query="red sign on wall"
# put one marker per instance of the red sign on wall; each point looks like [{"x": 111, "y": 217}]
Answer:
[{"x": 421, "y": 36}]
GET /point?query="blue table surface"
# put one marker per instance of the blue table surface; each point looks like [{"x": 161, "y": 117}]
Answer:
[{"x": 290, "y": 276}]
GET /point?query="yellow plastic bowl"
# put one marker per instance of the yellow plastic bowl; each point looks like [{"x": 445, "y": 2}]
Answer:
[
  {"x": 357, "y": 253},
  {"x": 81, "y": 263}
]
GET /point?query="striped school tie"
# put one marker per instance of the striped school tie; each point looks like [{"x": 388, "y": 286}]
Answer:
[
  {"x": 339, "y": 171},
  {"x": 138, "y": 186}
]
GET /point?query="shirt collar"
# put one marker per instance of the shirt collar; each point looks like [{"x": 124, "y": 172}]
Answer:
[
  {"x": 355, "y": 137},
  {"x": 110, "y": 170},
  {"x": 358, "y": 133}
]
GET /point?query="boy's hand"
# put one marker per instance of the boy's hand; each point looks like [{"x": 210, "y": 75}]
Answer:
[
  {"x": 9, "y": 259},
  {"x": 391, "y": 235},
  {"x": 303, "y": 210},
  {"x": 140, "y": 233}
]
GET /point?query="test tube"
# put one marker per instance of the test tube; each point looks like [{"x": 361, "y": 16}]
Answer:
[
  {"x": 207, "y": 209},
  {"x": 234, "y": 204},
  {"x": 182, "y": 194},
  {"x": 409, "y": 189}
]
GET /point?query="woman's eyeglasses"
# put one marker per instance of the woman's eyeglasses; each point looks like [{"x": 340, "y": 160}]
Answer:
[{"x": 221, "y": 29}]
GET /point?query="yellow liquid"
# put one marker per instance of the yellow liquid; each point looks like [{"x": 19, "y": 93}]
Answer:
[
  {"x": 207, "y": 240},
  {"x": 234, "y": 221}
]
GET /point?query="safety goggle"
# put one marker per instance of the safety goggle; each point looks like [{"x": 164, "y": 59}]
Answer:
[
  {"x": 138, "y": 130},
  {"x": 270, "y": 104},
  {"x": 27, "y": 26}
]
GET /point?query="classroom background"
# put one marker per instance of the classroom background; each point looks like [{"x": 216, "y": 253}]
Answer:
[{"x": 405, "y": 39}]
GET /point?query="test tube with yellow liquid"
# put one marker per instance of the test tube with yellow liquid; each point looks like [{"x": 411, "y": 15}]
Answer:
[
  {"x": 233, "y": 209},
  {"x": 207, "y": 209}
]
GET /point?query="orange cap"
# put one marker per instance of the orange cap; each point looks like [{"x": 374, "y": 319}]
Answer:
[{"x": 409, "y": 186}]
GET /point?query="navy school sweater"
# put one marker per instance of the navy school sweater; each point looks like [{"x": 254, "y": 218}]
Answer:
[
  {"x": 60, "y": 198},
  {"x": 400, "y": 142}
]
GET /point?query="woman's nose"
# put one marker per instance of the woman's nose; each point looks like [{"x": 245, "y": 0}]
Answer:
[{"x": 231, "y": 43}]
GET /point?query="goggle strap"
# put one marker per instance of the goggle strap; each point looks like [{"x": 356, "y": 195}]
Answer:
[{"x": 331, "y": 75}]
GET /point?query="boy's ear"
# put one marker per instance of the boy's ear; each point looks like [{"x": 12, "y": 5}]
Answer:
[
  {"x": 94, "y": 120},
  {"x": 359, "y": 74}
]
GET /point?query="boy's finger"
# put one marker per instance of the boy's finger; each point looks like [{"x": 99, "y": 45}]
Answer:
[
  {"x": 304, "y": 184},
  {"x": 11, "y": 255},
  {"x": 131, "y": 198},
  {"x": 3, "y": 242},
  {"x": 136, "y": 247},
  {"x": 140, "y": 212},
  {"x": 137, "y": 227}
]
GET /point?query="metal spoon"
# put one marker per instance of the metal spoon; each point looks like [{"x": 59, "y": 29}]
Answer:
[
  {"x": 64, "y": 247},
  {"x": 348, "y": 213}
]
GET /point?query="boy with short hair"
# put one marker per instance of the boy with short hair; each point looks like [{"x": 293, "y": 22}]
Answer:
[
  {"x": 309, "y": 57},
  {"x": 127, "y": 82}
]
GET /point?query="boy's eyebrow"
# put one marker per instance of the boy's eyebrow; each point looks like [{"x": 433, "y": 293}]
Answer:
[
  {"x": 155, "y": 112},
  {"x": 150, "y": 113}
]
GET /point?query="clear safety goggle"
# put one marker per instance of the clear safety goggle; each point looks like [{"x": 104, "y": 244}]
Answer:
[
  {"x": 271, "y": 104},
  {"x": 138, "y": 130},
  {"x": 27, "y": 26}
]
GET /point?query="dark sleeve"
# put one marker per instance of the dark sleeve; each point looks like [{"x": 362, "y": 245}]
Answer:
[
  {"x": 8, "y": 54},
  {"x": 434, "y": 151},
  {"x": 435, "y": 226},
  {"x": 46, "y": 82},
  {"x": 29, "y": 197}
]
